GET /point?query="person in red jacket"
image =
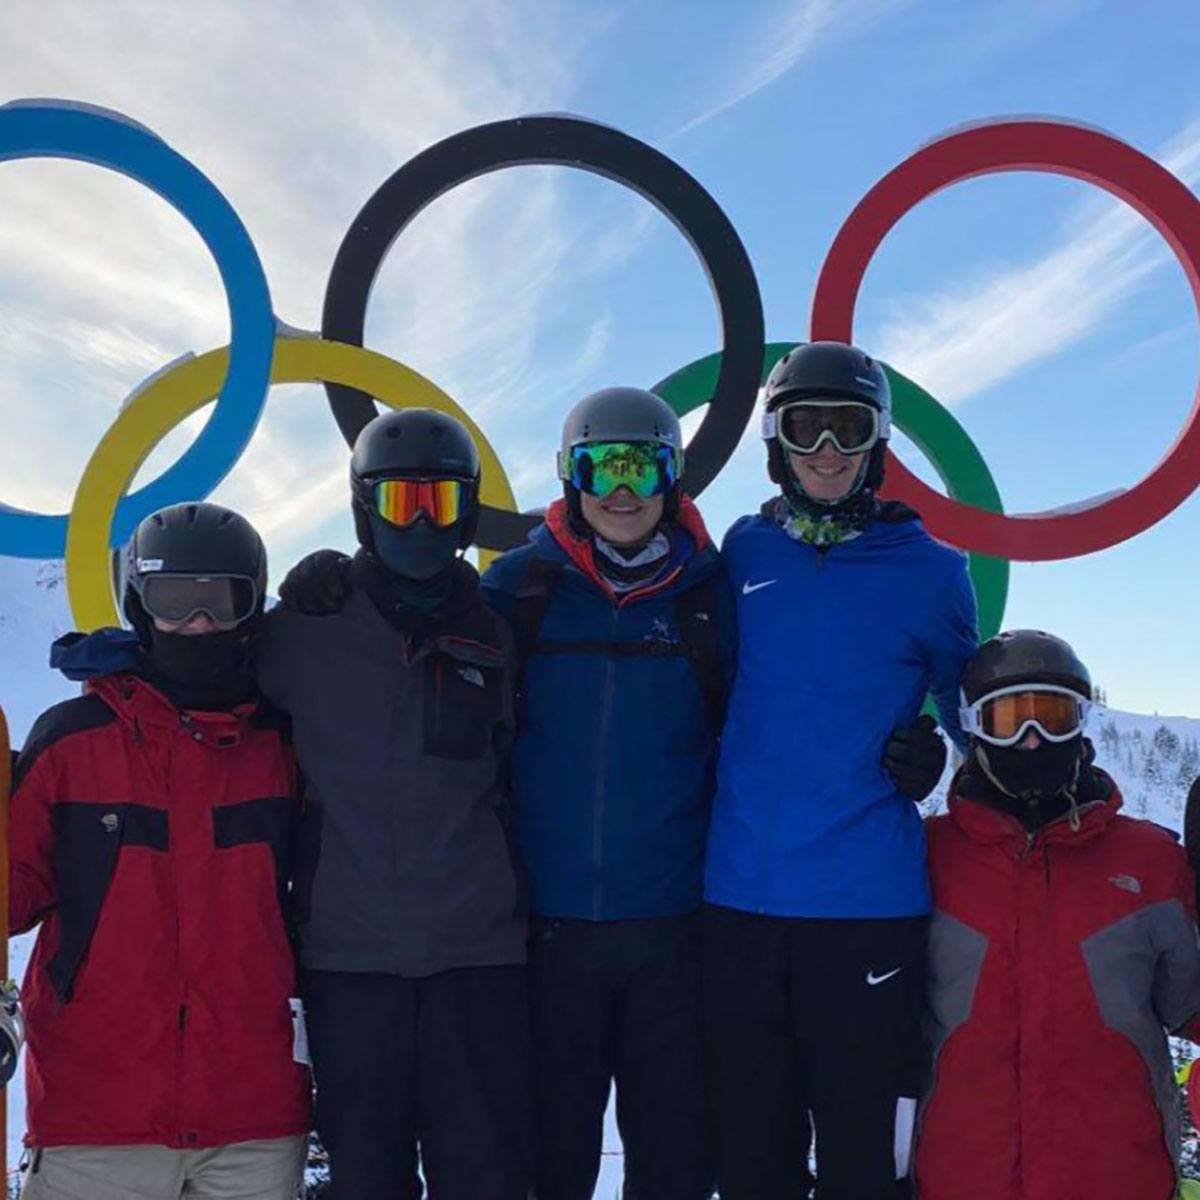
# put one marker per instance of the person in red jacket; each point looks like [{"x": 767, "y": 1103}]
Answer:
[
  {"x": 1063, "y": 950},
  {"x": 150, "y": 824}
]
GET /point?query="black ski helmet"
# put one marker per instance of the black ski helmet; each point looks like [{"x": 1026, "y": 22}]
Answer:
[
  {"x": 621, "y": 414},
  {"x": 190, "y": 539},
  {"x": 413, "y": 443},
  {"x": 827, "y": 369},
  {"x": 1024, "y": 656}
]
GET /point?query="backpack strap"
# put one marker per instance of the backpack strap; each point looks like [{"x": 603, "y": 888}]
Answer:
[
  {"x": 696, "y": 613},
  {"x": 534, "y": 593}
]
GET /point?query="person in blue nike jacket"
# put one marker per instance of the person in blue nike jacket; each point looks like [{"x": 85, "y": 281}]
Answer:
[
  {"x": 625, "y": 625},
  {"x": 815, "y": 887}
]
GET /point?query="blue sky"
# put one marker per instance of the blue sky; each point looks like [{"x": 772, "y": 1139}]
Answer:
[{"x": 1056, "y": 325}]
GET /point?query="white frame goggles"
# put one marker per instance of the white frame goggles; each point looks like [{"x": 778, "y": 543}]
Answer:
[
  {"x": 773, "y": 425},
  {"x": 970, "y": 716}
]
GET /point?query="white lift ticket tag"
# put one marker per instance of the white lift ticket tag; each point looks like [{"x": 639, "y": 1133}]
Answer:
[{"x": 299, "y": 1033}]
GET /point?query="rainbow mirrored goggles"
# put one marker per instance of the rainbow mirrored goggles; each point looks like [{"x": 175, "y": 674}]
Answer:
[
  {"x": 401, "y": 501},
  {"x": 600, "y": 468},
  {"x": 227, "y": 600},
  {"x": 1003, "y": 717}
]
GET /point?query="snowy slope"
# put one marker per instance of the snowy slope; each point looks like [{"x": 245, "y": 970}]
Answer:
[{"x": 1152, "y": 758}]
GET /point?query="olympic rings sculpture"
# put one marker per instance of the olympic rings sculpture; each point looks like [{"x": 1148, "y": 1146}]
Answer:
[{"x": 971, "y": 516}]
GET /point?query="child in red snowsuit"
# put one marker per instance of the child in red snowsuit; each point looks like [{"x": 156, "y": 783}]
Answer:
[{"x": 1063, "y": 949}]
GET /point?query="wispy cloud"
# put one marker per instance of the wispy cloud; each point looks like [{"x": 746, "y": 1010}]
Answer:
[
  {"x": 787, "y": 38},
  {"x": 973, "y": 334},
  {"x": 101, "y": 282}
]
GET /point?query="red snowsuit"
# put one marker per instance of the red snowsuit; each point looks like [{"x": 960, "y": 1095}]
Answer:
[
  {"x": 151, "y": 844},
  {"x": 1056, "y": 962}
]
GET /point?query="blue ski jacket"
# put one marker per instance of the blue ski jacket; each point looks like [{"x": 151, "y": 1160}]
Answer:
[
  {"x": 615, "y": 752},
  {"x": 837, "y": 647}
]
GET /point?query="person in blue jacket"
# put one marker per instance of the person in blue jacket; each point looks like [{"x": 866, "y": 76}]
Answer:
[
  {"x": 625, "y": 626},
  {"x": 625, "y": 635},
  {"x": 815, "y": 886}
]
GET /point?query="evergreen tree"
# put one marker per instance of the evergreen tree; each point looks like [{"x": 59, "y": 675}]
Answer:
[{"x": 1166, "y": 743}]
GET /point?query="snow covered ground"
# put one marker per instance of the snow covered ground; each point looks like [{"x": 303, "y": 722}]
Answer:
[{"x": 1152, "y": 758}]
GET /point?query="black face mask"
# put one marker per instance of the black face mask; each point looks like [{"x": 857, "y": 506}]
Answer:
[
  {"x": 208, "y": 671},
  {"x": 1033, "y": 776},
  {"x": 421, "y": 551}
]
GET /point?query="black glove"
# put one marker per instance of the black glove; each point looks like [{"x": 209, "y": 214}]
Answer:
[
  {"x": 318, "y": 584},
  {"x": 915, "y": 757}
]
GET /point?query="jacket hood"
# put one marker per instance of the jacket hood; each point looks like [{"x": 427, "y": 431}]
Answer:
[
  {"x": 84, "y": 656},
  {"x": 694, "y": 549}
]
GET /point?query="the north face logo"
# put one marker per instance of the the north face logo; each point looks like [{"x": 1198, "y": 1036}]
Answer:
[
  {"x": 1127, "y": 883},
  {"x": 110, "y": 821}
]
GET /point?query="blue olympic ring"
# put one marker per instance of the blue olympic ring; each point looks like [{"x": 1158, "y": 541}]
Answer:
[{"x": 64, "y": 129}]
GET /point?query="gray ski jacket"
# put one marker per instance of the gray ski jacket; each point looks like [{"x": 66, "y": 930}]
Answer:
[{"x": 407, "y": 862}]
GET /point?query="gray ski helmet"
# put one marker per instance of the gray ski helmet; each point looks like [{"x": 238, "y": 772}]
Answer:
[
  {"x": 828, "y": 369},
  {"x": 413, "y": 443},
  {"x": 1024, "y": 656},
  {"x": 190, "y": 539},
  {"x": 621, "y": 414}
]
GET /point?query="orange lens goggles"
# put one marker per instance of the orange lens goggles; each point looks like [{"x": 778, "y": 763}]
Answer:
[
  {"x": 1056, "y": 714},
  {"x": 401, "y": 501}
]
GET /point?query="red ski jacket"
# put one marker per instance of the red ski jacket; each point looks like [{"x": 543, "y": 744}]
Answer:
[
  {"x": 151, "y": 844},
  {"x": 1057, "y": 963}
]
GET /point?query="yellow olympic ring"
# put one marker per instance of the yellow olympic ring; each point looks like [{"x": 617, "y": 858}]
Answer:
[{"x": 186, "y": 388}]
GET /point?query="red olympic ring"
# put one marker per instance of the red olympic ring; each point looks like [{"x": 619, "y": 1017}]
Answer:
[{"x": 1031, "y": 145}]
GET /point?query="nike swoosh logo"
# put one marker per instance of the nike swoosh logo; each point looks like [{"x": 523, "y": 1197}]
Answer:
[
  {"x": 749, "y": 587},
  {"x": 874, "y": 980}
]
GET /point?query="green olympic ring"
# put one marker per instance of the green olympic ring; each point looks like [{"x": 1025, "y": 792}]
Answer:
[{"x": 931, "y": 426}]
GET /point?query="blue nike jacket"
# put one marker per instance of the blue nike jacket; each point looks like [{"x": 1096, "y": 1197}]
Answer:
[
  {"x": 615, "y": 754},
  {"x": 837, "y": 647}
]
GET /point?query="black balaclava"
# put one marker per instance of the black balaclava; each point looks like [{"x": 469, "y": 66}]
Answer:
[
  {"x": 205, "y": 671},
  {"x": 1036, "y": 786},
  {"x": 210, "y": 672}
]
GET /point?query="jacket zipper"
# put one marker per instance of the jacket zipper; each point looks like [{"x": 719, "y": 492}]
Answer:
[
  {"x": 181, "y": 1018},
  {"x": 598, "y": 810},
  {"x": 819, "y": 553},
  {"x": 1025, "y": 870}
]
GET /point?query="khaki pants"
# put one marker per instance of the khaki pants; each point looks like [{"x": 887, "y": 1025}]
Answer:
[{"x": 263, "y": 1170}]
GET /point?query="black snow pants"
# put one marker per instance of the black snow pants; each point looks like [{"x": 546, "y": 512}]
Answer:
[
  {"x": 441, "y": 1065},
  {"x": 813, "y": 1026},
  {"x": 620, "y": 1001}
]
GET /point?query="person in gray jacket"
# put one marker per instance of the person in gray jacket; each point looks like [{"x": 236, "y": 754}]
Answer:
[{"x": 408, "y": 899}]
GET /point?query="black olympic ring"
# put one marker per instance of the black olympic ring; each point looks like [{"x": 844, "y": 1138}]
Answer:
[{"x": 567, "y": 141}]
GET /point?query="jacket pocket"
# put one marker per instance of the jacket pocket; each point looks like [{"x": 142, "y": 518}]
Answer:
[
  {"x": 462, "y": 705},
  {"x": 87, "y": 842}
]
